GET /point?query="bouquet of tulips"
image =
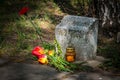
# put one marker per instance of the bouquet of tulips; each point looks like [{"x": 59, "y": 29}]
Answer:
[
  {"x": 51, "y": 56},
  {"x": 47, "y": 53},
  {"x": 42, "y": 54}
]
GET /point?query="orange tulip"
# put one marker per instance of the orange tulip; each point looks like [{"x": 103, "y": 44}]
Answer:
[
  {"x": 41, "y": 51},
  {"x": 43, "y": 59}
]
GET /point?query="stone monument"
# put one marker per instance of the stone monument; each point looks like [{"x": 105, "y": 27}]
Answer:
[{"x": 81, "y": 32}]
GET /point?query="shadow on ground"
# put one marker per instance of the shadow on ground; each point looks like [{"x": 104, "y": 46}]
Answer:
[{"x": 23, "y": 71}]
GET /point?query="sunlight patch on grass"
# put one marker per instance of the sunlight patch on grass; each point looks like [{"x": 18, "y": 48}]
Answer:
[
  {"x": 58, "y": 12},
  {"x": 45, "y": 24}
]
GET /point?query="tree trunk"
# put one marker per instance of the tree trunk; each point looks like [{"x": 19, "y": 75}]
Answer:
[{"x": 108, "y": 12}]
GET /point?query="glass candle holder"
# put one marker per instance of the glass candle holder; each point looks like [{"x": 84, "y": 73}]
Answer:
[{"x": 70, "y": 54}]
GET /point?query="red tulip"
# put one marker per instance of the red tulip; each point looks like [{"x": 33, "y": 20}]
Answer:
[
  {"x": 37, "y": 51},
  {"x": 23, "y": 11}
]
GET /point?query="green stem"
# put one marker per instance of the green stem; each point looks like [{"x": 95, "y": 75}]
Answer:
[{"x": 38, "y": 30}]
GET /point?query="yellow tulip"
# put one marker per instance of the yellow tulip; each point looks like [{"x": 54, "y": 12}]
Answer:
[{"x": 50, "y": 52}]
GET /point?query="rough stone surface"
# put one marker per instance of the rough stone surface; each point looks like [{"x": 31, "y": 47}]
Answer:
[
  {"x": 21, "y": 71},
  {"x": 95, "y": 63},
  {"x": 81, "y": 32},
  {"x": 2, "y": 61},
  {"x": 24, "y": 71}
]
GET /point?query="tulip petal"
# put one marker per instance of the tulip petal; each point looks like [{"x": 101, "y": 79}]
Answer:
[
  {"x": 43, "y": 59},
  {"x": 24, "y": 10}
]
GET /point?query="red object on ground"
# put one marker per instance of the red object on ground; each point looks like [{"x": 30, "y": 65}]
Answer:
[
  {"x": 37, "y": 51},
  {"x": 24, "y": 10}
]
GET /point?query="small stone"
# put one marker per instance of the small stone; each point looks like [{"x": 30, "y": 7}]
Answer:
[
  {"x": 100, "y": 78},
  {"x": 62, "y": 75},
  {"x": 93, "y": 63}
]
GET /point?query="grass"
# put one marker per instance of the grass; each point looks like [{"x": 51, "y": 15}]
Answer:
[{"x": 17, "y": 35}]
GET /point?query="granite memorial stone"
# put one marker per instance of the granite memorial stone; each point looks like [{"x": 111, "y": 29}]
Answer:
[{"x": 81, "y": 32}]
